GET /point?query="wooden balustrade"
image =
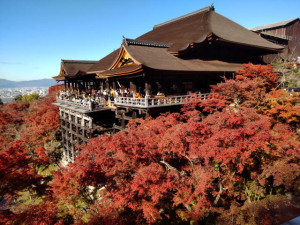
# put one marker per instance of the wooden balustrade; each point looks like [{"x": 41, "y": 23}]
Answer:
[
  {"x": 156, "y": 102},
  {"x": 135, "y": 102}
]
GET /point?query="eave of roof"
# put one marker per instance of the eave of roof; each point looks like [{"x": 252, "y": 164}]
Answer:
[
  {"x": 273, "y": 25},
  {"x": 272, "y": 35},
  {"x": 59, "y": 78},
  {"x": 121, "y": 71}
]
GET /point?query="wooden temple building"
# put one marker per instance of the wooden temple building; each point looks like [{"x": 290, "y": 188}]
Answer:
[
  {"x": 285, "y": 33},
  {"x": 154, "y": 73}
]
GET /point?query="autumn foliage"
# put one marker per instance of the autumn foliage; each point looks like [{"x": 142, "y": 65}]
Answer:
[
  {"x": 25, "y": 127},
  {"x": 218, "y": 160},
  {"x": 231, "y": 159}
]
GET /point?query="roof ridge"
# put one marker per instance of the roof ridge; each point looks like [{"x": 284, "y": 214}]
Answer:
[
  {"x": 78, "y": 61},
  {"x": 208, "y": 8},
  {"x": 128, "y": 41}
]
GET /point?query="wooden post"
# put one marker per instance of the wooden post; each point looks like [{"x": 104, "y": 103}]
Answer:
[
  {"x": 107, "y": 84},
  {"x": 147, "y": 87},
  {"x": 147, "y": 114},
  {"x": 179, "y": 87},
  {"x": 123, "y": 121},
  {"x": 73, "y": 155},
  {"x": 133, "y": 88},
  {"x": 134, "y": 115},
  {"x": 101, "y": 86},
  {"x": 90, "y": 123}
]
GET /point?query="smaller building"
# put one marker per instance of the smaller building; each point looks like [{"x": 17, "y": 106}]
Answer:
[{"x": 285, "y": 33}]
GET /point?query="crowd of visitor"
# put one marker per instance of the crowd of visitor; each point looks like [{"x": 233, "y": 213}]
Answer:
[
  {"x": 94, "y": 99},
  {"x": 97, "y": 98}
]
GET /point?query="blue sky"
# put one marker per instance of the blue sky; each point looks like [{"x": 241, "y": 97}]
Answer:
[{"x": 36, "y": 34}]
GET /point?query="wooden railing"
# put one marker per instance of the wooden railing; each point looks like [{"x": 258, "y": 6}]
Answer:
[
  {"x": 77, "y": 103},
  {"x": 156, "y": 102},
  {"x": 134, "y": 102}
]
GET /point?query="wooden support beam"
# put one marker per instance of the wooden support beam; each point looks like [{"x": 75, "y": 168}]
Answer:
[
  {"x": 147, "y": 114},
  {"x": 134, "y": 116},
  {"x": 123, "y": 121},
  {"x": 72, "y": 152}
]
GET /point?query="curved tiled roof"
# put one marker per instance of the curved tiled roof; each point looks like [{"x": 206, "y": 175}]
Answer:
[
  {"x": 104, "y": 63},
  {"x": 196, "y": 27},
  {"x": 176, "y": 35},
  {"x": 159, "y": 59},
  {"x": 74, "y": 67}
]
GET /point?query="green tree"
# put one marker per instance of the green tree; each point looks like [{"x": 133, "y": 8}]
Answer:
[
  {"x": 30, "y": 97},
  {"x": 18, "y": 98}
]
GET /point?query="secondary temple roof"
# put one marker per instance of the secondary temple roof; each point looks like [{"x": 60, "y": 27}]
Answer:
[
  {"x": 72, "y": 68},
  {"x": 273, "y": 25},
  {"x": 156, "y": 48}
]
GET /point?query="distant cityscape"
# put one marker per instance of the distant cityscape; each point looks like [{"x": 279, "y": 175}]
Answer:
[
  {"x": 9, "y": 94},
  {"x": 9, "y": 90}
]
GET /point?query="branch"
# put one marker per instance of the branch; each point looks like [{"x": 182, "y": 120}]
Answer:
[
  {"x": 189, "y": 160},
  {"x": 169, "y": 167},
  {"x": 221, "y": 188}
]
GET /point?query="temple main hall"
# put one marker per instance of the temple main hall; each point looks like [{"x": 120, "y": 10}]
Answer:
[{"x": 157, "y": 72}]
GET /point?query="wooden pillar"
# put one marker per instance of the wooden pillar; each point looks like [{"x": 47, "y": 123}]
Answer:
[
  {"x": 134, "y": 115},
  {"x": 85, "y": 86},
  {"x": 68, "y": 151},
  {"x": 73, "y": 155},
  {"x": 101, "y": 86},
  {"x": 90, "y": 123},
  {"x": 148, "y": 87},
  {"x": 114, "y": 86},
  {"x": 179, "y": 87},
  {"x": 107, "y": 84},
  {"x": 123, "y": 121},
  {"x": 133, "y": 88},
  {"x": 147, "y": 114}
]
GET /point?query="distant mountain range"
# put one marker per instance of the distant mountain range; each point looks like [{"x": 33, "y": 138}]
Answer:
[{"x": 30, "y": 83}]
